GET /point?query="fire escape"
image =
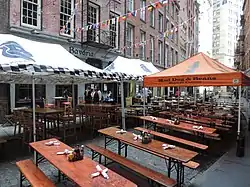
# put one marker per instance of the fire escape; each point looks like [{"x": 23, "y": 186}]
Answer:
[
  {"x": 239, "y": 50},
  {"x": 99, "y": 36}
]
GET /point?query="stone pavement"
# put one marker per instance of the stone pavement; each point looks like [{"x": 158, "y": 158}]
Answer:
[
  {"x": 228, "y": 171},
  {"x": 9, "y": 175}
]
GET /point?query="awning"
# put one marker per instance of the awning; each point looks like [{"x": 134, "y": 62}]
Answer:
[
  {"x": 199, "y": 70},
  {"x": 19, "y": 58},
  {"x": 131, "y": 67}
]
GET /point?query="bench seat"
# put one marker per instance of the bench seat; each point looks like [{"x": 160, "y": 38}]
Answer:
[
  {"x": 149, "y": 173},
  {"x": 33, "y": 174}
]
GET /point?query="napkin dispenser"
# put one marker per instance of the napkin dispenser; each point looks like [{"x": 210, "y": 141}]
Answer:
[
  {"x": 76, "y": 155},
  {"x": 146, "y": 138},
  {"x": 177, "y": 121}
]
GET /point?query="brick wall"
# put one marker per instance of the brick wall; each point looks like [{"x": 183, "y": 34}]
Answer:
[
  {"x": 4, "y": 15},
  {"x": 246, "y": 12}
]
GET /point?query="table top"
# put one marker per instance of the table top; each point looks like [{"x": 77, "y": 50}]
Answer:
[
  {"x": 177, "y": 153},
  {"x": 182, "y": 125},
  {"x": 199, "y": 119},
  {"x": 100, "y": 105},
  {"x": 79, "y": 171},
  {"x": 45, "y": 110}
]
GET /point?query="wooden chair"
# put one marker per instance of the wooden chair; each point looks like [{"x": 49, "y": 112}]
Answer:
[{"x": 48, "y": 105}]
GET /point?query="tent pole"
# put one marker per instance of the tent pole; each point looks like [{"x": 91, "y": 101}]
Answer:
[
  {"x": 178, "y": 98},
  {"x": 238, "y": 130},
  {"x": 34, "y": 112},
  {"x": 123, "y": 106},
  {"x": 73, "y": 104},
  {"x": 144, "y": 105}
]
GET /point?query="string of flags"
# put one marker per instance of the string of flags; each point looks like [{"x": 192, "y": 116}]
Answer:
[
  {"x": 166, "y": 34},
  {"x": 102, "y": 24}
]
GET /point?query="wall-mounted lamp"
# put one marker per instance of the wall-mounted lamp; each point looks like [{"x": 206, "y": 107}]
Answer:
[{"x": 34, "y": 31}]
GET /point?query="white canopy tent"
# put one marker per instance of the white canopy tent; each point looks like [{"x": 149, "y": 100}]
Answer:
[
  {"x": 50, "y": 62},
  {"x": 28, "y": 62},
  {"x": 134, "y": 67}
]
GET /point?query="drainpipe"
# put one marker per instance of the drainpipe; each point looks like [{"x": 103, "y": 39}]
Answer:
[{"x": 125, "y": 27}]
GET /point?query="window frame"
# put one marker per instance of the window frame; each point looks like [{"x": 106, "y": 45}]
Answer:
[
  {"x": 131, "y": 27},
  {"x": 72, "y": 22},
  {"x": 143, "y": 10},
  {"x": 111, "y": 16},
  {"x": 97, "y": 7},
  {"x": 130, "y": 5},
  {"x": 152, "y": 48},
  {"x": 142, "y": 46},
  {"x": 152, "y": 18},
  {"x": 160, "y": 21},
  {"x": 160, "y": 50},
  {"x": 38, "y": 14}
]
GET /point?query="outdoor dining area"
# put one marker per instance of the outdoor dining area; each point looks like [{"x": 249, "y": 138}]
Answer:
[{"x": 175, "y": 130}]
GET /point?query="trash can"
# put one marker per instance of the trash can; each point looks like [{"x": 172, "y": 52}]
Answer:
[{"x": 240, "y": 150}]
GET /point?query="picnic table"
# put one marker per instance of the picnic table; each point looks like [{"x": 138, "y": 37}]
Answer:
[
  {"x": 174, "y": 156},
  {"x": 44, "y": 112},
  {"x": 212, "y": 122},
  {"x": 80, "y": 171},
  {"x": 183, "y": 125}
]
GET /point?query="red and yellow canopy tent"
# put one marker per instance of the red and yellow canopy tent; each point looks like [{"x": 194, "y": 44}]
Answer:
[{"x": 198, "y": 70}]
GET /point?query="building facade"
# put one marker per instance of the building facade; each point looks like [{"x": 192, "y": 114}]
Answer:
[
  {"x": 226, "y": 24},
  {"x": 242, "y": 52},
  {"x": 140, "y": 34},
  {"x": 206, "y": 26}
]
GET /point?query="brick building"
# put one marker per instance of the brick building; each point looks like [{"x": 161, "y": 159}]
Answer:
[
  {"x": 242, "y": 53},
  {"x": 52, "y": 21}
]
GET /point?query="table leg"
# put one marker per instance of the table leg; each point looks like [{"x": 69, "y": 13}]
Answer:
[
  {"x": 44, "y": 127},
  {"x": 119, "y": 147}
]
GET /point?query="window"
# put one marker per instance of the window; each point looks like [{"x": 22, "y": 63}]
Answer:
[
  {"x": 160, "y": 55},
  {"x": 173, "y": 54},
  {"x": 93, "y": 15},
  {"x": 167, "y": 24},
  {"x": 66, "y": 21},
  {"x": 152, "y": 17},
  {"x": 24, "y": 92},
  {"x": 31, "y": 13},
  {"x": 130, "y": 5},
  {"x": 172, "y": 34},
  {"x": 113, "y": 28},
  {"x": 142, "y": 11},
  {"x": 160, "y": 22},
  {"x": 173, "y": 9},
  {"x": 142, "y": 46},
  {"x": 152, "y": 48},
  {"x": 166, "y": 56},
  {"x": 129, "y": 38}
]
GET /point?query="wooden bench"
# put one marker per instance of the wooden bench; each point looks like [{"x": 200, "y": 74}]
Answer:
[
  {"x": 149, "y": 173},
  {"x": 33, "y": 174},
  {"x": 175, "y": 139}
]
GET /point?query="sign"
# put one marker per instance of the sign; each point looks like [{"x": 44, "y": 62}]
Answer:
[
  {"x": 82, "y": 53},
  {"x": 12, "y": 49},
  {"x": 188, "y": 80}
]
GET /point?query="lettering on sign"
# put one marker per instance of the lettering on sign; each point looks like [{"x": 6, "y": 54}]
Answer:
[
  {"x": 80, "y": 52},
  {"x": 176, "y": 80}
]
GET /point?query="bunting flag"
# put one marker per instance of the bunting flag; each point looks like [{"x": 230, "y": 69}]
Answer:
[
  {"x": 115, "y": 20},
  {"x": 166, "y": 34}
]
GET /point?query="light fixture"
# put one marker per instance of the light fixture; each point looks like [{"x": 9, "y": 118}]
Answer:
[
  {"x": 34, "y": 31},
  {"x": 71, "y": 40}
]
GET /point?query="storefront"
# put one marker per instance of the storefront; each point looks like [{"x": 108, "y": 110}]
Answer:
[{"x": 19, "y": 94}]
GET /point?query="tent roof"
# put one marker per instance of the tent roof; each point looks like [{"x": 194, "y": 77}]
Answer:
[
  {"x": 135, "y": 67},
  {"x": 22, "y": 56},
  {"x": 198, "y": 70}
]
